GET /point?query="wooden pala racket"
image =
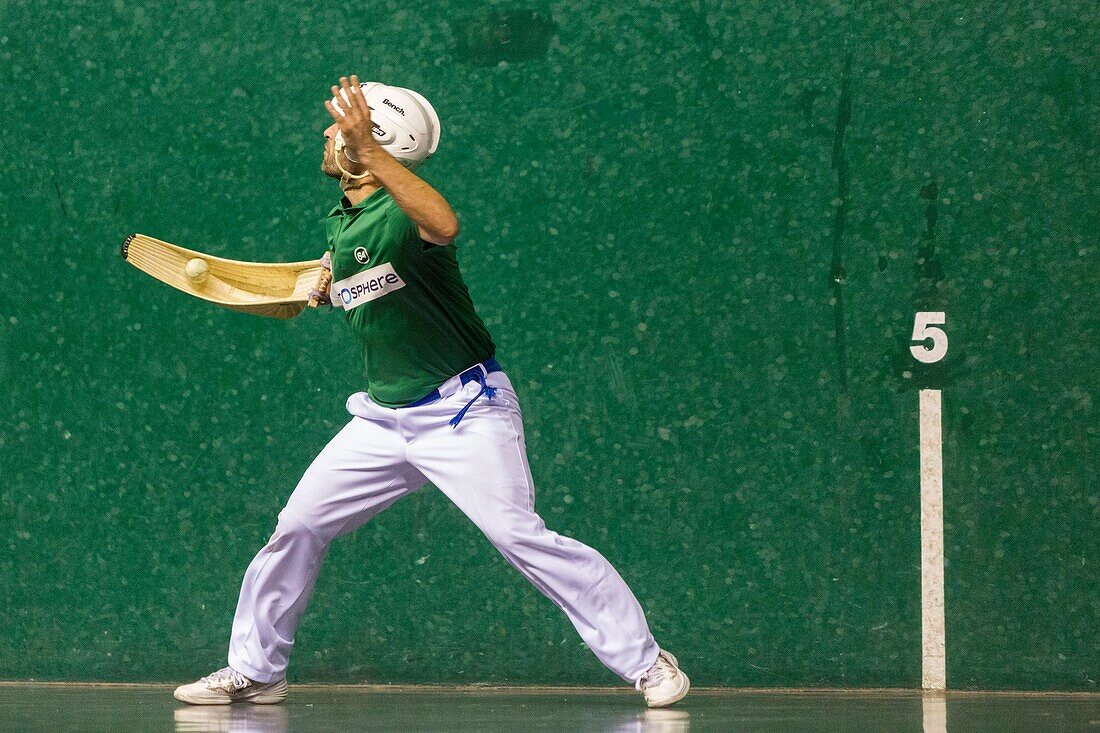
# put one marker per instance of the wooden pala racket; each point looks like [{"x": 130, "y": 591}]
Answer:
[{"x": 275, "y": 290}]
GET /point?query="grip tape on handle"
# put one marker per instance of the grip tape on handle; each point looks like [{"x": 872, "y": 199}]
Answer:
[{"x": 319, "y": 292}]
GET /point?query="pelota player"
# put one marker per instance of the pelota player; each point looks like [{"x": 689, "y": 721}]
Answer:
[{"x": 437, "y": 409}]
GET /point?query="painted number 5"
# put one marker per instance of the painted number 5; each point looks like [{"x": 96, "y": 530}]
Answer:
[{"x": 925, "y": 328}]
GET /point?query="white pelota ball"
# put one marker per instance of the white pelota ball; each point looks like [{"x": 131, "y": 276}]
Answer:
[{"x": 196, "y": 270}]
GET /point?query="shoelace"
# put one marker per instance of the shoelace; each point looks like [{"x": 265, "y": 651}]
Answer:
[
  {"x": 658, "y": 673},
  {"x": 227, "y": 679}
]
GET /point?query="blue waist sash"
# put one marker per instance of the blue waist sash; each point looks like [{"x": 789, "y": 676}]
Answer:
[{"x": 476, "y": 373}]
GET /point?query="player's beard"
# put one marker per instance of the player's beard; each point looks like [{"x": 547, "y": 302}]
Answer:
[{"x": 328, "y": 161}]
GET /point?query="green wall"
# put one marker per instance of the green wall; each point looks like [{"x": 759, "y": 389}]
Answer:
[{"x": 699, "y": 233}]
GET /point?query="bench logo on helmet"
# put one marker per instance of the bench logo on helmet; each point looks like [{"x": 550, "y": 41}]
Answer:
[{"x": 393, "y": 106}]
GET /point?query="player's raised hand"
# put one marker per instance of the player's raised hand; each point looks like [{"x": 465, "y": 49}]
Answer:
[{"x": 350, "y": 111}]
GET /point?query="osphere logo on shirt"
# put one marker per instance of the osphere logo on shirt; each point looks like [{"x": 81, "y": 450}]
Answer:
[
  {"x": 367, "y": 285},
  {"x": 362, "y": 256}
]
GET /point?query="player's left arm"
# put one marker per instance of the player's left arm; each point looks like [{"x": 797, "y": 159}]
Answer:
[{"x": 425, "y": 206}]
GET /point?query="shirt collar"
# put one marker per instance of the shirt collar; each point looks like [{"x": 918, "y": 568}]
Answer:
[{"x": 345, "y": 207}]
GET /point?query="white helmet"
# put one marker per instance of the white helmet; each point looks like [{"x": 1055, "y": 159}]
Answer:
[{"x": 405, "y": 124}]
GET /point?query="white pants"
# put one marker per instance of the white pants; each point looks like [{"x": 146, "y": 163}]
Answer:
[{"x": 481, "y": 466}]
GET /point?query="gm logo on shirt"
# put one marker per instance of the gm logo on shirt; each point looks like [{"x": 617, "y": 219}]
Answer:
[{"x": 365, "y": 286}]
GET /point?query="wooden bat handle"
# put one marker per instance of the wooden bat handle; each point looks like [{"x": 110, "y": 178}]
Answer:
[{"x": 324, "y": 279}]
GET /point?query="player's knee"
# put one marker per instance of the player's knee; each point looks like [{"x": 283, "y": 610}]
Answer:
[
  {"x": 518, "y": 532},
  {"x": 293, "y": 528}
]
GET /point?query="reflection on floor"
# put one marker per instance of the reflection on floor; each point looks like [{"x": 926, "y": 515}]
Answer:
[{"x": 34, "y": 707}]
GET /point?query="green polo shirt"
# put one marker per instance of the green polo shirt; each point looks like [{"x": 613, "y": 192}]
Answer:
[{"x": 404, "y": 300}]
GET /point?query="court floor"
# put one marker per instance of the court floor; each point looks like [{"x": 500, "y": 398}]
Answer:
[{"x": 57, "y": 707}]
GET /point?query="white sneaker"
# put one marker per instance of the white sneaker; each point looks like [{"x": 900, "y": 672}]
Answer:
[
  {"x": 228, "y": 685},
  {"x": 664, "y": 683}
]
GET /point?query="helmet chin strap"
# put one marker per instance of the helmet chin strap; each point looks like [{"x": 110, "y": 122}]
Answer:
[{"x": 347, "y": 176}]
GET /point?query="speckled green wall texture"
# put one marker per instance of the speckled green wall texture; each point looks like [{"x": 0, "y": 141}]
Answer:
[{"x": 699, "y": 233}]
